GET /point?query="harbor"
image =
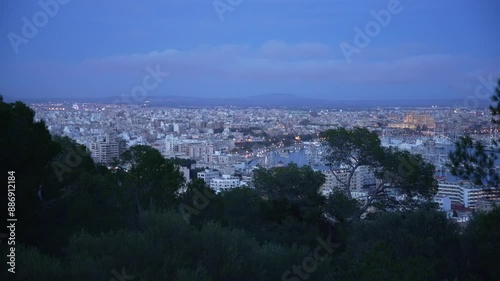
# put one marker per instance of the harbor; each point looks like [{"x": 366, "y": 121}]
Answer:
[{"x": 433, "y": 150}]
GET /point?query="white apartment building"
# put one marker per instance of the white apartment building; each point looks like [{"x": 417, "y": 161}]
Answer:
[
  {"x": 224, "y": 183},
  {"x": 208, "y": 175},
  {"x": 221, "y": 159},
  {"x": 107, "y": 148},
  {"x": 453, "y": 191},
  {"x": 171, "y": 145},
  {"x": 203, "y": 152},
  {"x": 337, "y": 180},
  {"x": 466, "y": 194}
]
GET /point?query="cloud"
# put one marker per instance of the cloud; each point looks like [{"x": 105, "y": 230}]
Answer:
[
  {"x": 276, "y": 49},
  {"x": 280, "y": 60},
  {"x": 277, "y": 61}
]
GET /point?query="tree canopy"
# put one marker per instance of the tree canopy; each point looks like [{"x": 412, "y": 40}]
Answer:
[{"x": 408, "y": 174}]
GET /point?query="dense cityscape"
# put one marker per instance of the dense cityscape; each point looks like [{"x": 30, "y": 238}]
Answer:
[{"x": 227, "y": 143}]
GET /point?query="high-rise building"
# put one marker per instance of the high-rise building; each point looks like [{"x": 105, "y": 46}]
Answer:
[
  {"x": 467, "y": 195},
  {"x": 204, "y": 152},
  {"x": 337, "y": 180},
  {"x": 107, "y": 149},
  {"x": 171, "y": 144}
]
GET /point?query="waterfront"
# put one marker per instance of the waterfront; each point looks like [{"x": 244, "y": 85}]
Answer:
[{"x": 312, "y": 155}]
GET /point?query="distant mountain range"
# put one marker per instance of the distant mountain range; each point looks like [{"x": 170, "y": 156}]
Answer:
[{"x": 264, "y": 100}]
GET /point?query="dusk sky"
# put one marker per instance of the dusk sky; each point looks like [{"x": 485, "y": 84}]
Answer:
[{"x": 98, "y": 48}]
